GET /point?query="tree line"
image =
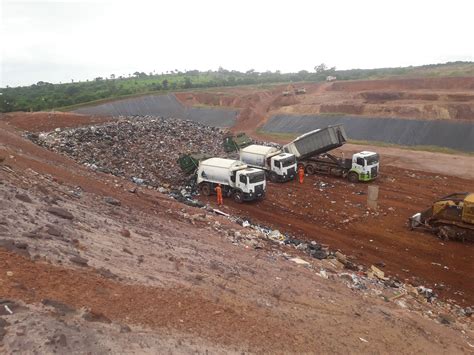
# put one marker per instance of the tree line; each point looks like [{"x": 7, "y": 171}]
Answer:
[{"x": 46, "y": 96}]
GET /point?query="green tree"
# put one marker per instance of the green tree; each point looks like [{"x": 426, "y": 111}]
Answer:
[
  {"x": 321, "y": 68},
  {"x": 72, "y": 90},
  {"x": 187, "y": 83}
]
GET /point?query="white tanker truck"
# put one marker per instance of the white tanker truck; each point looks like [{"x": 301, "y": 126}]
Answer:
[
  {"x": 279, "y": 166},
  {"x": 236, "y": 179}
]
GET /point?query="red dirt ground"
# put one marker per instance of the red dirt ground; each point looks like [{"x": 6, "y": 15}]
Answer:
[
  {"x": 243, "y": 298},
  {"x": 48, "y": 121},
  {"x": 389, "y": 235},
  {"x": 305, "y": 210}
]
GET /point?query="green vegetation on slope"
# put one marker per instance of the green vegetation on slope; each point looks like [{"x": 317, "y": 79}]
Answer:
[{"x": 44, "y": 96}]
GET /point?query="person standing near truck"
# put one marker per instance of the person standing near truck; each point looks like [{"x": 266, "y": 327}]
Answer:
[
  {"x": 301, "y": 174},
  {"x": 219, "y": 194}
]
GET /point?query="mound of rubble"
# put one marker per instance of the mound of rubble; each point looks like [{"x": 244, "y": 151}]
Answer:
[{"x": 141, "y": 149}]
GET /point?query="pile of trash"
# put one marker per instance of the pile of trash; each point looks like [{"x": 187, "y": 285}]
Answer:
[{"x": 141, "y": 149}]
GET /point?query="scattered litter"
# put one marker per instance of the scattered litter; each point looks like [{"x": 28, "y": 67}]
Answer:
[
  {"x": 396, "y": 296},
  {"x": 8, "y": 309},
  {"x": 300, "y": 261},
  {"x": 221, "y": 213},
  {"x": 276, "y": 236},
  {"x": 376, "y": 272},
  {"x": 363, "y": 340},
  {"x": 426, "y": 292},
  {"x": 138, "y": 181}
]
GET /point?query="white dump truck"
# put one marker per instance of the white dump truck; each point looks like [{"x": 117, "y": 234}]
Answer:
[
  {"x": 237, "y": 179},
  {"x": 312, "y": 151},
  {"x": 279, "y": 166}
]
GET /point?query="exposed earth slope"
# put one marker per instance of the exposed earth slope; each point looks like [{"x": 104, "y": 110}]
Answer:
[{"x": 92, "y": 262}]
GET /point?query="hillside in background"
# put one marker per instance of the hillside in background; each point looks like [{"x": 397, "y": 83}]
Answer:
[{"x": 45, "y": 96}]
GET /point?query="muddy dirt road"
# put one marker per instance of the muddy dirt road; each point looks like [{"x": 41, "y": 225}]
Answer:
[{"x": 333, "y": 211}]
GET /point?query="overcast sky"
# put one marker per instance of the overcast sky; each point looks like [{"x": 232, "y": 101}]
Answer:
[{"x": 57, "y": 41}]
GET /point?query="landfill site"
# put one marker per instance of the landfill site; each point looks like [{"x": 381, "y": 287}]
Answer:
[{"x": 346, "y": 223}]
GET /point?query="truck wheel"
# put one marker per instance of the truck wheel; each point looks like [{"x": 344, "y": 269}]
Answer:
[
  {"x": 205, "y": 189},
  {"x": 353, "y": 177},
  {"x": 273, "y": 177},
  {"x": 238, "y": 197},
  {"x": 309, "y": 169}
]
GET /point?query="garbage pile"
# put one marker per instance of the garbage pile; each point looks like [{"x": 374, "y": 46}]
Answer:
[{"x": 141, "y": 149}]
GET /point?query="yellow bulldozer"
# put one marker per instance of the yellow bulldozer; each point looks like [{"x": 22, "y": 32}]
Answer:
[{"x": 450, "y": 217}]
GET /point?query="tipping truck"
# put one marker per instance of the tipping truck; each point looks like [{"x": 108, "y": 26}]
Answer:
[
  {"x": 312, "y": 152},
  {"x": 450, "y": 217},
  {"x": 234, "y": 143},
  {"x": 279, "y": 166},
  {"x": 237, "y": 179}
]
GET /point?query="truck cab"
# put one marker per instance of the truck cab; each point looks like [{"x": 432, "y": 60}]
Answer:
[
  {"x": 236, "y": 178},
  {"x": 251, "y": 183},
  {"x": 279, "y": 166},
  {"x": 283, "y": 167},
  {"x": 365, "y": 166}
]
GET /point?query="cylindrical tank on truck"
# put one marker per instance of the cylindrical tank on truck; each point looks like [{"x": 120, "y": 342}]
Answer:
[
  {"x": 278, "y": 165},
  {"x": 238, "y": 180},
  {"x": 312, "y": 152}
]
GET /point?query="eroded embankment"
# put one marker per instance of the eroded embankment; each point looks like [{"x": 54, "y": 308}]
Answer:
[
  {"x": 165, "y": 106},
  {"x": 441, "y": 133}
]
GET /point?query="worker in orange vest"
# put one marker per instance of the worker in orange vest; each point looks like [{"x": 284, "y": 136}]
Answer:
[
  {"x": 301, "y": 174},
  {"x": 219, "y": 194}
]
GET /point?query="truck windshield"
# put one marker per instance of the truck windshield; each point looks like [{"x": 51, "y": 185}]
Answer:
[
  {"x": 256, "y": 177},
  {"x": 288, "y": 161},
  {"x": 373, "y": 159}
]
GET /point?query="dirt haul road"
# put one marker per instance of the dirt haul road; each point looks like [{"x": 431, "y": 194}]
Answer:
[{"x": 333, "y": 211}]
